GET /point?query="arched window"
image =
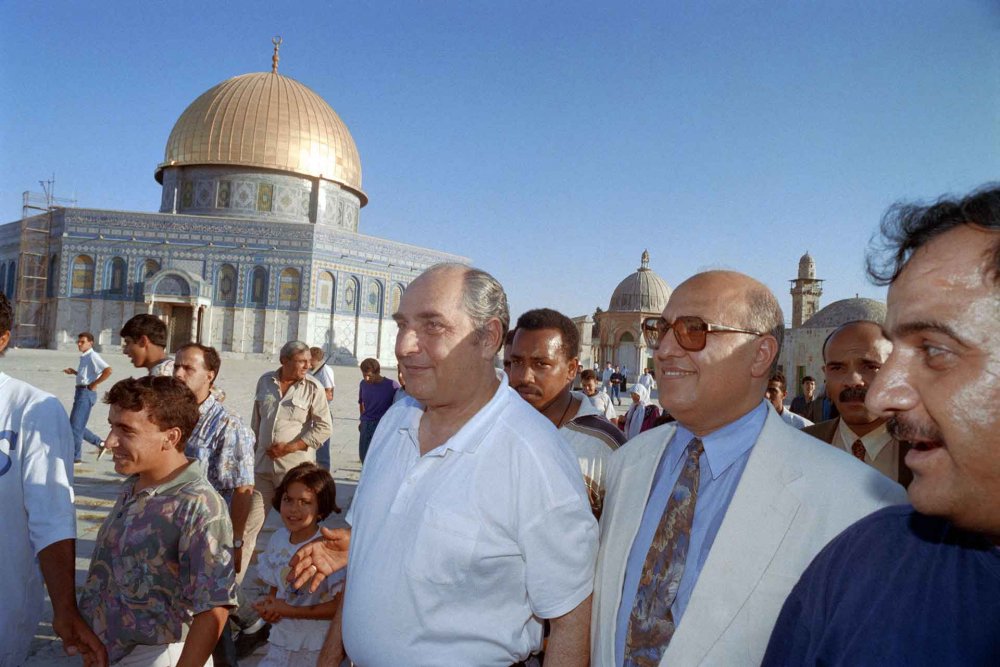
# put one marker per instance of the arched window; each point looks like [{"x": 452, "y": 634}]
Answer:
[
  {"x": 226, "y": 289},
  {"x": 373, "y": 301},
  {"x": 627, "y": 337},
  {"x": 258, "y": 286},
  {"x": 397, "y": 296},
  {"x": 116, "y": 281},
  {"x": 324, "y": 290},
  {"x": 11, "y": 279},
  {"x": 149, "y": 267},
  {"x": 52, "y": 276},
  {"x": 3, "y": 278},
  {"x": 351, "y": 295},
  {"x": 83, "y": 275},
  {"x": 288, "y": 289}
]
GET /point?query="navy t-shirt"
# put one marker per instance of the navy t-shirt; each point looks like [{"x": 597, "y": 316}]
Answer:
[
  {"x": 377, "y": 399},
  {"x": 896, "y": 588}
]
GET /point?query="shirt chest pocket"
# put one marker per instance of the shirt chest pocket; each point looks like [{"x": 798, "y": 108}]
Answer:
[
  {"x": 295, "y": 410},
  {"x": 443, "y": 547}
]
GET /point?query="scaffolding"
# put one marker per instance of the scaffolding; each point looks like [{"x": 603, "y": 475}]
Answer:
[{"x": 31, "y": 321}]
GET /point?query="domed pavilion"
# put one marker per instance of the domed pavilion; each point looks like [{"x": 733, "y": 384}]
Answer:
[
  {"x": 256, "y": 241},
  {"x": 639, "y": 295}
]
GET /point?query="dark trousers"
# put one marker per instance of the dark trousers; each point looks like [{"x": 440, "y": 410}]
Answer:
[{"x": 365, "y": 439}]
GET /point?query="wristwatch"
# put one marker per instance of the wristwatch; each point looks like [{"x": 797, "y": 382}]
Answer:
[{"x": 237, "y": 544}]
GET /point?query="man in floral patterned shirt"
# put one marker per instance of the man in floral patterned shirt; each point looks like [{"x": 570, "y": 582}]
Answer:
[{"x": 161, "y": 580}]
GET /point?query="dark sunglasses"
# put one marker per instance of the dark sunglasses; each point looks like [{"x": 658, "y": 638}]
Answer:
[{"x": 690, "y": 331}]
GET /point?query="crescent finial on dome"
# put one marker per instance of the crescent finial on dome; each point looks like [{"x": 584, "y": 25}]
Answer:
[{"x": 276, "y": 40}]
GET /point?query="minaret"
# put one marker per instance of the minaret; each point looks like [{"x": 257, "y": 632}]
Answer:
[{"x": 806, "y": 291}]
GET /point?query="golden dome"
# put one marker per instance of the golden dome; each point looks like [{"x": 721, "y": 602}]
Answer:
[{"x": 265, "y": 120}]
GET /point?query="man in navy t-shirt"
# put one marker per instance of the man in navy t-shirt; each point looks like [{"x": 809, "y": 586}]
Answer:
[{"x": 920, "y": 585}]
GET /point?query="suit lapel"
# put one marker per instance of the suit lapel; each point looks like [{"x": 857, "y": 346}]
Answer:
[{"x": 756, "y": 521}]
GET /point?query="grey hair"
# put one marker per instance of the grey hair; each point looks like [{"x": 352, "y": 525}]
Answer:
[
  {"x": 764, "y": 315},
  {"x": 483, "y": 298},
  {"x": 291, "y": 348}
]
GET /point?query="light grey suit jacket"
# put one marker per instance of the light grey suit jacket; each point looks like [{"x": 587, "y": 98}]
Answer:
[{"x": 795, "y": 495}]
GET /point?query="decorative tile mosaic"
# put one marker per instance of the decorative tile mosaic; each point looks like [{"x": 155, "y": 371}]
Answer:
[
  {"x": 222, "y": 199},
  {"x": 265, "y": 193}
]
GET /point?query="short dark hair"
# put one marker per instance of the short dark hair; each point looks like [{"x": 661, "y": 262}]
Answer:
[
  {"x": 210, "y": 356},
  {"x": 85, "y": 334},
  {"x": 588, "y": 374},
  {"x": 317, "y": 480},
  {"x": 546, "y": 318},
  {"x": 370, "y": 365},
  {"x": 145, "y": 324},
  {"x": 6, "y": 314},
  {"x": 168, "y": 402},
  {"x": 907, "y": 227},
  {"x": 509, "y": 338},
  {"x": 316, "y": 352},
  {"x": 808, "y": 378},
  {"x": 778, "y": 376}
]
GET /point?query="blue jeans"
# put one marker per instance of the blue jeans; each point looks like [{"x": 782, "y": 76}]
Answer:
[
  {"x": 323, "y": 455},
  {"x": 616, "y": 393},
  {"x": 83, "y": 403},
  {"x": 367, "y": 431}
]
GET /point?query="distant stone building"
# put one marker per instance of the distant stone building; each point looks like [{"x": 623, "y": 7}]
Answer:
[
  {"x": 256, "y": 241},
  {"x": 645, "y": 294},
  {"x": 640, "y": 295}
]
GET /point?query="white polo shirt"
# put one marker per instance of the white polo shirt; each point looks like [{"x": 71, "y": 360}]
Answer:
[
  {"x": 457, "y": 555},
  {"x": 36, "y": 504}
]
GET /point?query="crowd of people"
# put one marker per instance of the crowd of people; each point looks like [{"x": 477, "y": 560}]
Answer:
[{"x": 505, "y": 518}]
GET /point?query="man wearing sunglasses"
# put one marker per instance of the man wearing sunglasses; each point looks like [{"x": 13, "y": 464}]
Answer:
[{"x": 709, "y": 521}]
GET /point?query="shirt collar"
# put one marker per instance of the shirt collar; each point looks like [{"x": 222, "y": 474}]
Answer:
[
  {"x": 191, "y": 473},
  {"x": 587, "y": 407},
  {"x": 473, "y": 432},
  {"x": 207, "y": 404},
  {"x": 873, "y": 441},
  {"x": 726, "y": 445},
  {"x": 84, "y": 354}
]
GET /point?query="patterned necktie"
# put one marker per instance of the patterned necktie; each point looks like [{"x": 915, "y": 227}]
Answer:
[
  {"x": 858, "y": 449},
  {"x": 651, "y": 623}
]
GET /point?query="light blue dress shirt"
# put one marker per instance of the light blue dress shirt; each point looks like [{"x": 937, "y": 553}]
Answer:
[
  {"x": 90, "y": 368},
  {"x": 721, "y": 467}
]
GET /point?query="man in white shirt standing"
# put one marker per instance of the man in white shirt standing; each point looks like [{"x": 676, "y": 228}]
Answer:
[
  {"x": 91, "y": 371},
  {"x": 852, "y": 357},
  {"x": 776, "y": 394},
  {"x": 322, "y": 372},
  {"x": 37, "y": 519},
  {"x": 470, "y": 523},
  {"x": 597, "y": 396}
]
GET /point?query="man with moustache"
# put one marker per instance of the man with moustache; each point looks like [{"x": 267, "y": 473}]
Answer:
[
  {"x": 470, "y": 523},
  {"x": 708, "y": 521},
  {"x": 920, "y": 585},
  {"x": 852, "y": 356},
  {"x": 544, "y": 361}
]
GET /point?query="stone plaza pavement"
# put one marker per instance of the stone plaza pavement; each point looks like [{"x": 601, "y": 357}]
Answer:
[{"x": 96, "y": 482}]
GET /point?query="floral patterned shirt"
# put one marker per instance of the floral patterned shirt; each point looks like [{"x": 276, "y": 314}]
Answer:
[
  {"x": 224, "y": 446},
  {"x": 162, "y": 556}
]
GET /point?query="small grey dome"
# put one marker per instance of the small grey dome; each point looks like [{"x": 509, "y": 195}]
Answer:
[
  {"x": 807, "y": 267},
  {"x": 643, "y": 291},
  {"x": 847, "y": 310}
]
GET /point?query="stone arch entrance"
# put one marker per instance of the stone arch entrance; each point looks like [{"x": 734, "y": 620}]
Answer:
[{"x": 182, "y": 300}]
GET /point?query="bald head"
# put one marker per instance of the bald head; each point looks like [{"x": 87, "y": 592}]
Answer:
[{"x": 710, "y": 388}]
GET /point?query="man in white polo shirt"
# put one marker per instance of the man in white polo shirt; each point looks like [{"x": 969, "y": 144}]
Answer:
[
  {"x": 37, "y": 519},
  {"x": 470, "y": 523}
]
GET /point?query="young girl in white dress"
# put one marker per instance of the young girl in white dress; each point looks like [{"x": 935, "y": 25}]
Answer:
[{"x": 299, "y": 619}]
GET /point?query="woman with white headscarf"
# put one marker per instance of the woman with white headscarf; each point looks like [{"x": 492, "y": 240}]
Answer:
[{"x": 641, "y": 414}]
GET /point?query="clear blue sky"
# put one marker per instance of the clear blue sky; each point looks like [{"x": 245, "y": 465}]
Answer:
[{"x": 551, "y": 142}]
